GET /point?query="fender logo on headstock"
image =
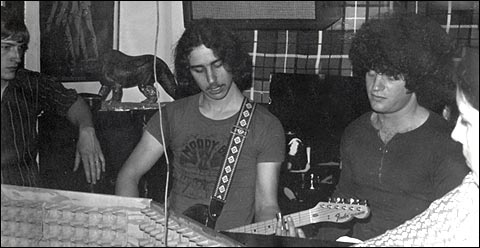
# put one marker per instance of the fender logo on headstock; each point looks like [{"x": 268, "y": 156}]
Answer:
[{"x": 340, "y": 217}]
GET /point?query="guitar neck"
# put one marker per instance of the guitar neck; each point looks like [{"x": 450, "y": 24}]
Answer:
[
  {"x": 269, "y": 226},
  {"x": 337, "y": 212}
]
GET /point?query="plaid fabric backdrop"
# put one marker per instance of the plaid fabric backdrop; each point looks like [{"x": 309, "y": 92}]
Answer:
[{"x": 326, "y": 51}]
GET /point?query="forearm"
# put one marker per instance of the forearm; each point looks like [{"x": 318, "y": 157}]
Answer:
[
  {"x": 140, "y": 161},
  {"x": 126, "y": 185},
  {"x": 266, "y": 212},
  {"x": 79, "y": 114},
  {"x": 88, "y": 150},
  {"x": 266, "y": 202}
]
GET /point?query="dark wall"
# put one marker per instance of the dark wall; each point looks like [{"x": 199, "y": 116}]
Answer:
[
  {"x": 318, "y": 108},
  {"x": 118, "y": 134}
]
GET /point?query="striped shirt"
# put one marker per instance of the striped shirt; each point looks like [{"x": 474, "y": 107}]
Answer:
[{"x": 24, "y": 99}]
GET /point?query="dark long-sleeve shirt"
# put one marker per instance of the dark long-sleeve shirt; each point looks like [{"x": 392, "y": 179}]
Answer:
[
  {"x": 24, "y": 99},
  {"x": 399, "y": 179}
]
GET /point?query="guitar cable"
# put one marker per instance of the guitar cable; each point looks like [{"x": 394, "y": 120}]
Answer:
[{"x": 157, "y": 89}]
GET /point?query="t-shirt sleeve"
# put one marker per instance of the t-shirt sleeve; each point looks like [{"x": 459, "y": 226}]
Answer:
[
  {"x": 272, "y": 142},
  {"x": 153, "y": 126}
]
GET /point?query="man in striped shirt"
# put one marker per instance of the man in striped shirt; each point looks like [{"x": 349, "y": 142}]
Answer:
[{"x": 26, "y": 94}]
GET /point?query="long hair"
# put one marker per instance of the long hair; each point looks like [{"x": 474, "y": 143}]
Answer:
[
  {"x": 466, "y": 75},
  {"x": 13, "y": 28},
  {"x": 225, "y": 45}
]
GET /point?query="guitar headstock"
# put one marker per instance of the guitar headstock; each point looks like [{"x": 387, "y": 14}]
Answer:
[{"x": 339, "y": 210}]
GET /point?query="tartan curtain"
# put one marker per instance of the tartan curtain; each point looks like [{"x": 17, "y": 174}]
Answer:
[{"x": 326, "y": 51}]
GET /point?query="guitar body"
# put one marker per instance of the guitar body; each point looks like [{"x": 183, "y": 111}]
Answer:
[{"x": 199, "y": 213}]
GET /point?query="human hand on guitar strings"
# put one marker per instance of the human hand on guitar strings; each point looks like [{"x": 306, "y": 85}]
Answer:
[{"x": 286, "y": 227}]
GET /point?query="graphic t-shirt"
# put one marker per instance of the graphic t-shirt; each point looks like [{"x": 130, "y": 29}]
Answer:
[{"x": 199, "y": 145}]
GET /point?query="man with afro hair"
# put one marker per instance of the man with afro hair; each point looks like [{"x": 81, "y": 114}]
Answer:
[{"x": 399, "y": 156}]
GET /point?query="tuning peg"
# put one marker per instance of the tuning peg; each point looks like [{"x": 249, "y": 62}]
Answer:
[
  {"x": 351, "y": 200},
  {"x": 329, "y": 199},
  {"x": 364, "y": 202},
  {"x": 338, "y": 200}
]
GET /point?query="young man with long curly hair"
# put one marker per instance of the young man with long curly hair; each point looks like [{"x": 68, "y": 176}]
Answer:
[
  {"x": 399, "y": 156},
  {"x": 211, "y": 64}
]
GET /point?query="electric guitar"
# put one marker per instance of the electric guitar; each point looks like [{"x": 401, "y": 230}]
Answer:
[
  {"x": 337, "y": 212},
  {"x": 199, "y": 213}
]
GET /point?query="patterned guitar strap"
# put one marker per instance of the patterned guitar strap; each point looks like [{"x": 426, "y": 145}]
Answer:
[{"x": 238, "y": 135}]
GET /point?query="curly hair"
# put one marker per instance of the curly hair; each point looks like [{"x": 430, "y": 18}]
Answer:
[
  {"x": 411, "y": 46},
  {"x": 225, "y": 44}
]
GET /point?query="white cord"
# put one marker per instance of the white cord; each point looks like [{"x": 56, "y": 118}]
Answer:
[{"x": 157, "y": 85}]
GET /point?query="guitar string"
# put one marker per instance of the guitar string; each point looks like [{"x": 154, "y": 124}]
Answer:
[
  {"x": 272, "y": 223},
  {"x": 300, "y": 219}
]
